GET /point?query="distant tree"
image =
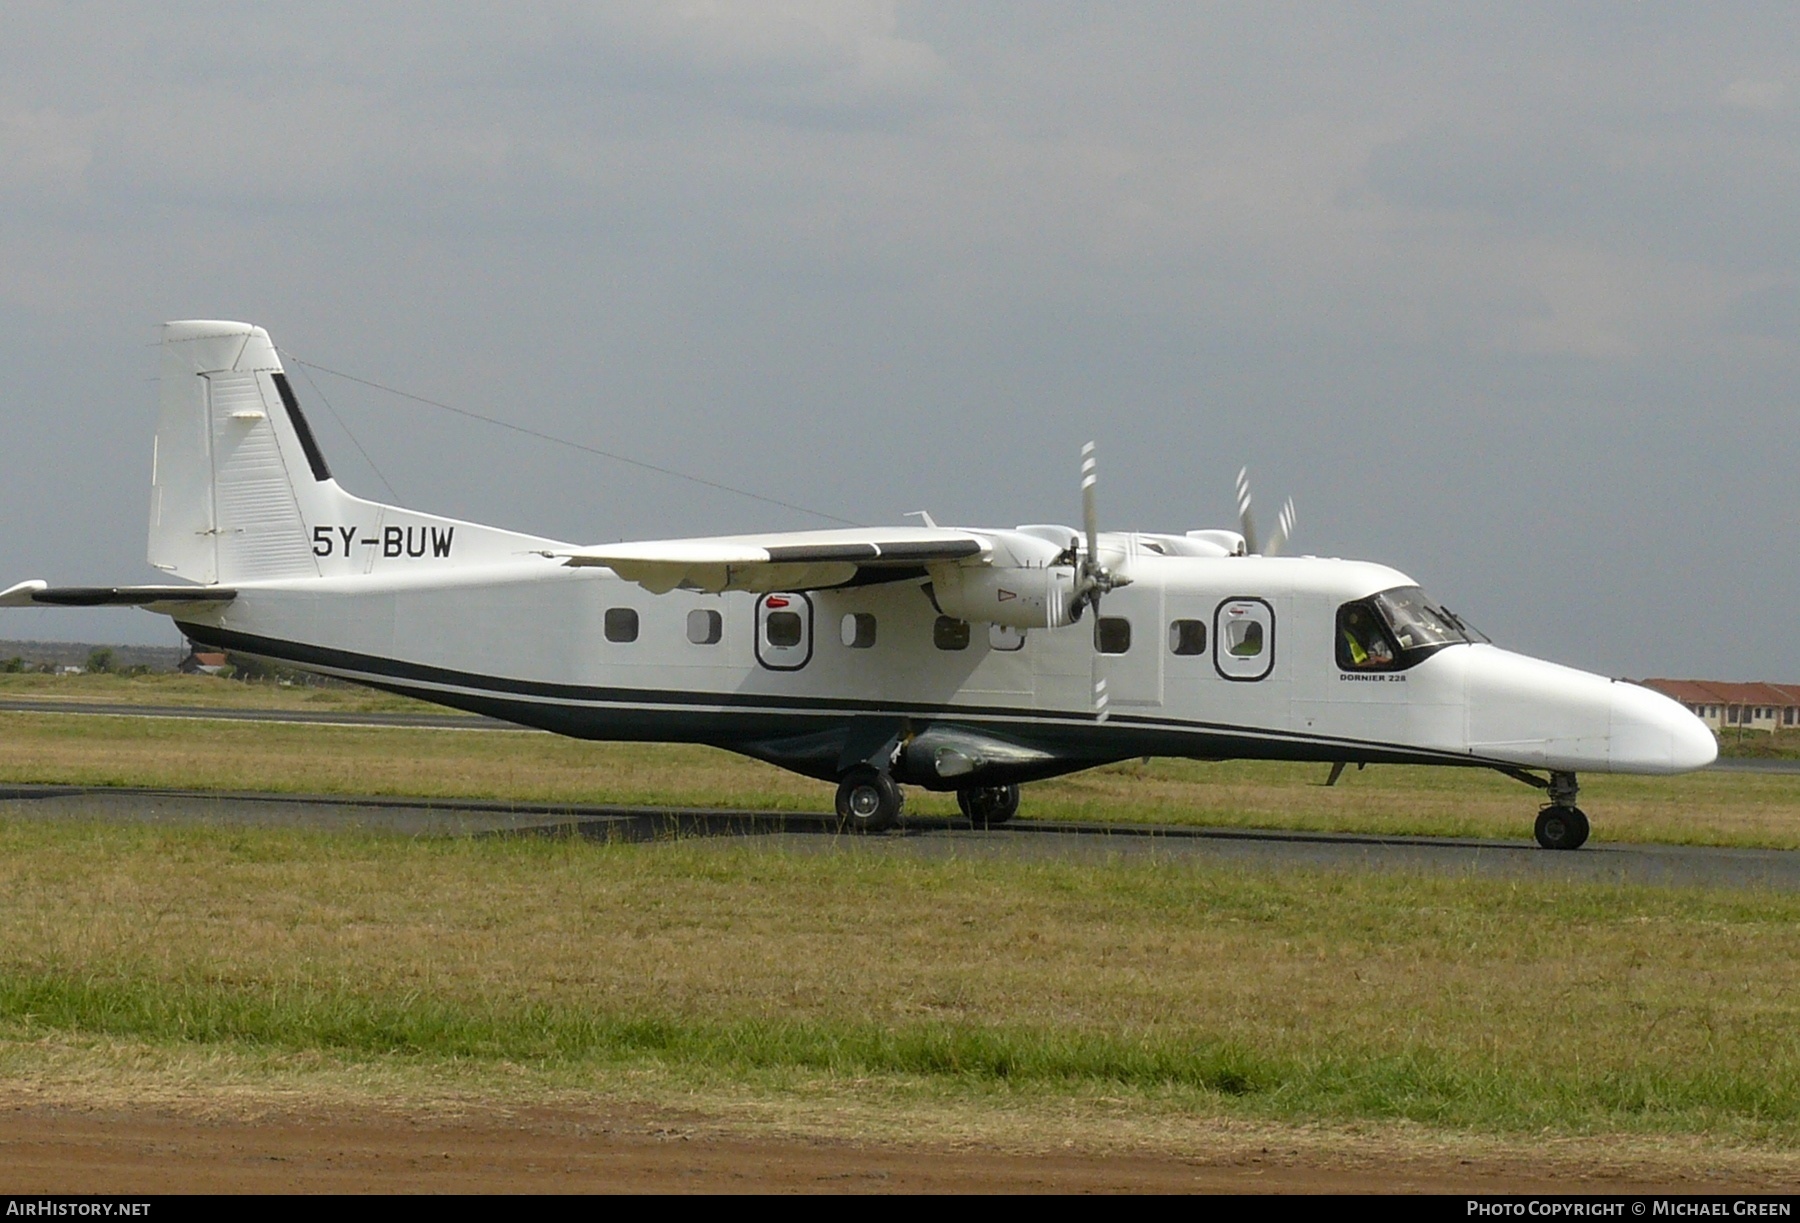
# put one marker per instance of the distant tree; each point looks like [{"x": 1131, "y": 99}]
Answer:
[
  {"x": 100, "y": 660},
  {"x": 13, "y": 665},
  {"x": 246, "y": 668}
]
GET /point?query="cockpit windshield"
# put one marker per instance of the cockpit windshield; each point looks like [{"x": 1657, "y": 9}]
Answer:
[{"x": 1396, "y": 629}]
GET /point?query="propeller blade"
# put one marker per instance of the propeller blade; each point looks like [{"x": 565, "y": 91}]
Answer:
[
  {"x": 1246, "y": 524},
  {"x": 1090, "y": 512},
  {"x": 1095, "y": 578},
  {"x": 1102, "y": 702},
  {"x": 1284, "y": 529}
]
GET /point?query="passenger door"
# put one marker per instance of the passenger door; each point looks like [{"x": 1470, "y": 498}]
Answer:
[{"x": 784, "y": 631}]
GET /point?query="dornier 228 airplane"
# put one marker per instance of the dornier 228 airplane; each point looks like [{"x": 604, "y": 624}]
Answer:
[{"x": 966, "y": 660}]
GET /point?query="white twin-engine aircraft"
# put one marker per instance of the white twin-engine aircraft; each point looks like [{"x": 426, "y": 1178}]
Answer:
[{"x": 965, "y": 660}]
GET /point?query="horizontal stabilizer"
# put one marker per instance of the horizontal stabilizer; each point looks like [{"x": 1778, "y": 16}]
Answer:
[
  {"x": 801, "y": 560},
  {"x": 42, "y": 594}
]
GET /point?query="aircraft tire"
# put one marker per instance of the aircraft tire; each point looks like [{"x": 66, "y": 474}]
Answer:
[
  {"x": 988, "y": 806},
  {"x": 867, "y": 801},
  {"x": 1562, "y": 828}
]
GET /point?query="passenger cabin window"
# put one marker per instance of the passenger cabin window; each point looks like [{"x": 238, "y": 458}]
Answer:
[
  {"x": 783, "y": 629},
  {"x": 858, "y": 630},
  {"x": 705, "y": 627},
  {"x": 621, "y": 624},
  {"x": 1005, "y": 638},
  {"x": 949, "y": 634},
  {"x": 1112, "y": 635},
  {"x": 1394, "y": 630},
  {"x": 1187, "y": 637}
]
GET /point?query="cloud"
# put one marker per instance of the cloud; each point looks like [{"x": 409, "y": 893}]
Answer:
[
  {"x": 1754, "y": 95},
  {"x": 884, "y": 255},
  {"x": 801, "y": 61}
]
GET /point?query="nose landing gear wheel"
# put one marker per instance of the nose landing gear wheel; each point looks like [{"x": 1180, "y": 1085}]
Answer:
[
  {"x": 1562, "y": 828},
  {"x": 868, "y": 801},
  {"x": 988, "y": 806}
]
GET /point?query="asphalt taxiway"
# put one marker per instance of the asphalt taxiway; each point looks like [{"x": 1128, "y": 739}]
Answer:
[{"x": 1598, "y": 862}]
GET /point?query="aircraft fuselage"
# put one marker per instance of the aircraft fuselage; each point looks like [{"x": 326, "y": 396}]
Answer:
[{"x": 582, "y": 652}]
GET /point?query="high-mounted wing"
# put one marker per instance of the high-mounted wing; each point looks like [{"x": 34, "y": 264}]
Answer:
[
  {"x": 799, "y": 560},
  {"x": 152, "y": 598}
]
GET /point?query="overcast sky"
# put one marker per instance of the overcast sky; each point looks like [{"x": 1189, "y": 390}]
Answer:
[{"x": 1507, "y": 296}]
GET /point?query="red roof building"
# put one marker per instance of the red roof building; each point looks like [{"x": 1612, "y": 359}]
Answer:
[{"x": 1724, "y": 706}]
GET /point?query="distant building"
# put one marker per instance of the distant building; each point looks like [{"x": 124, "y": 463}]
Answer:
[
  {"x": 201, "y": 663},
  {"x": 1722, "y": 706}
]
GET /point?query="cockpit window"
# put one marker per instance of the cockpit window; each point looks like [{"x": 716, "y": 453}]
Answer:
[
  {"x": 1394, "y": 630},
  {"x": 1414, "y": 619},
  {"x": 1363, "y": 643}
]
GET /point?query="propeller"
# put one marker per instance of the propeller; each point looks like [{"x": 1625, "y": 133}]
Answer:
[
  {"x": 1095, "y": 579},
  {"x": 1284, "y": 521},
  {"x": 1246, "y": 523},
  {"x": 1284, "y": 529}
]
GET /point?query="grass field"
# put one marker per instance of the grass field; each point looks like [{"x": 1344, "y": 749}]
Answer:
[
  {"x": 205, "y": 692},
  {"x": 1139, "y": 990},
  {"x": 865, "y": 991}
]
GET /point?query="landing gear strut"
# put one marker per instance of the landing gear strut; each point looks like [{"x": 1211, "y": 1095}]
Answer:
[
  {"x": 867, "y": 801},
  {"x": 1562, "y": 825},
  {"x": 988, "y": 806}
]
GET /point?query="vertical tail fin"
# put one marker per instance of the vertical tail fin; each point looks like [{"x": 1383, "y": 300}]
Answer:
[
  {"x": 224, "y": 501},
  {"x": 241, "y": 492}
]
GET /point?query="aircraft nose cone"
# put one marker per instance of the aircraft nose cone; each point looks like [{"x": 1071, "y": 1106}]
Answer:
[{"x": 1653, "y": 734}]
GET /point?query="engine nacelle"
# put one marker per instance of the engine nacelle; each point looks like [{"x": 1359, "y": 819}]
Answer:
[
  {"x": 949, "y": 757},
  {"x": 1014, "y": 597}
]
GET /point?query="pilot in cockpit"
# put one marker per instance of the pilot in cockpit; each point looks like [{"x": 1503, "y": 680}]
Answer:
[{"x": 1365, "y": 645}]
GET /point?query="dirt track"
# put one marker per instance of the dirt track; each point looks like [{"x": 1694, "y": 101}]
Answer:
[{"x": 66, "y": 1150}]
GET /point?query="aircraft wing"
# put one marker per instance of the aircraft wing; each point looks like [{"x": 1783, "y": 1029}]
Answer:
[
  {"x": 153, "y": 598},
  {"x": 798, "y": 560}
]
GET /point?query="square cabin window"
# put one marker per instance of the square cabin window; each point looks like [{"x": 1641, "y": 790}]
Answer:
[
  {"x": 783, "y": 629},
  {"x": 1187, "y": 637},
  {"x": 858, "y": 631},
  {"x": 1244, "y": 638},
  {"x": 621, "y": 624},
  {"x": 949, "y": 634},
  {"x": 705, "y": 627},
  {"x": 1112, "y": 634},
  {"x": 1005, "y": 638}
]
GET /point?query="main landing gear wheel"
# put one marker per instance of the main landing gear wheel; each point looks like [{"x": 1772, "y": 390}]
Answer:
[
  {"x": 1562, "y": 827},
  {"x": 988, "y": 806},
  {"x": 868, "y": 801}
]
